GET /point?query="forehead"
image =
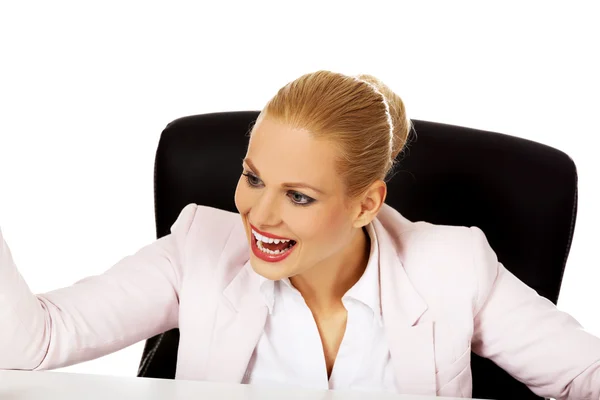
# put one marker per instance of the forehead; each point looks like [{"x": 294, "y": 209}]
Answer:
[{"x": 283, "y": 154}]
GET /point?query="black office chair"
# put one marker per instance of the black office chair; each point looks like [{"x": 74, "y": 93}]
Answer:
[{"x": 522, "y": 194}]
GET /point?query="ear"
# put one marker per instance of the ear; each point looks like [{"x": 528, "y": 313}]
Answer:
[{"x": 369, "y": 204}]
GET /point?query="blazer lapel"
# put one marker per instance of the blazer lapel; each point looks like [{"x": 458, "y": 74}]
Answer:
[
  {"x": 239, "y": 324},
  {"x": 411, "y": 342}
]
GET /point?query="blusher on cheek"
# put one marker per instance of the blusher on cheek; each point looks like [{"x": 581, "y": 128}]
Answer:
[
  {"x": 322, "y": 226},
  {"x": 299, "y": 224},
  {"x": 333, "y": 220},
  {"x": 335, "y": 226}
]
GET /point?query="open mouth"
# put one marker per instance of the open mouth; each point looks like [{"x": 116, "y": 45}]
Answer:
[{"x": 271, "y": 246}]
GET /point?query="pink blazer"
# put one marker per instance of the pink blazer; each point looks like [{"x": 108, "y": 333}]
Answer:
[{"x": 443, "y": 293}]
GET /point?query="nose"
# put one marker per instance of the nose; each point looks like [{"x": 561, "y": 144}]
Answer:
[{"x": 265, "y": 212}]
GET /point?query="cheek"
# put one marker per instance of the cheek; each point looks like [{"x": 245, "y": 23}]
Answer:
[
  {"x": 324, "y": 227},
  {"x": 242, "y": 197}
]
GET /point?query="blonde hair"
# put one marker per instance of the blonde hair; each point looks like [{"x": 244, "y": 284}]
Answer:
[{"x": 363, "y": 117}]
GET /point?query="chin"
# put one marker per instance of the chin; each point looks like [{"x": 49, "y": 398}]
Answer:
[
  {"x": 267, "y": 270},
  {"x": 272, "y": 266}
]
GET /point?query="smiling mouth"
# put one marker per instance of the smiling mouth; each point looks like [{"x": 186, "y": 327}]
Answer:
[
  {"x": 271, "y": 246},
  {"x": 274, "y": 249}
]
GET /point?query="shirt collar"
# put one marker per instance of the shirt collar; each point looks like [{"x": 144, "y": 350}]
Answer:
[
  {"x": 267, "y": 289},
  {"x": 366, "y": 290}
]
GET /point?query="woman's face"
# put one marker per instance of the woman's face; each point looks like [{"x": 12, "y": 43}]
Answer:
[{"x": 289, "y": 189}]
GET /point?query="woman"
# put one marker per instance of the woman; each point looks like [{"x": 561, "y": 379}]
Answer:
[{"x": 319, "y": 283}]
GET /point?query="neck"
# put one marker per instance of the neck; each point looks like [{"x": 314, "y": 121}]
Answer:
[{"x": 323, "y": 286}]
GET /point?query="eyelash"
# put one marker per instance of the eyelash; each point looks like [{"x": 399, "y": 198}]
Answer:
[{"x": 309, "y": 200}]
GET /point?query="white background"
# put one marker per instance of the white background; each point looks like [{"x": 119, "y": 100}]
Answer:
[{"x": 86, "y": 88}]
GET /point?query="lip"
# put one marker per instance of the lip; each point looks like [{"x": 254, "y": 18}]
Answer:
[
  {"x": 268, "y": 234},
  {"x": 264, "y": 256}
]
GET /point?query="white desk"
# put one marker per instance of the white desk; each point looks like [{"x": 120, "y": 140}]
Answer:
[{"x": 21, "y": 385}]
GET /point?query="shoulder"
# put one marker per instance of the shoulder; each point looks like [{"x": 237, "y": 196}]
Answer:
[
  {"x": 443, "y": 262},
  {"x": 207, "y": 227},
  {"x": 207, "y": 223}
]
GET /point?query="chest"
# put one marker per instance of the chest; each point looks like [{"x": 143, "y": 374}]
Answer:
[
  {"x": 331, "y": 328},
  {"x": 345, "y": 350},
  {"x": 229, "y": 336}
]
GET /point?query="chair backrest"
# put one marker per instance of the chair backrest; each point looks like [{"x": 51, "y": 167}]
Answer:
[{"x": 522, "y": 194}]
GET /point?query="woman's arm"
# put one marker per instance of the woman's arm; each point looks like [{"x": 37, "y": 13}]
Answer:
[
  {"x": 134, "y": 300},
  {"x": 526, "y": 335}
]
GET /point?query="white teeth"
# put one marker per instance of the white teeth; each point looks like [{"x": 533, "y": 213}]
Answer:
[
  {"x": 259, "y": 244},
  {"x": 265, "y": 239}
]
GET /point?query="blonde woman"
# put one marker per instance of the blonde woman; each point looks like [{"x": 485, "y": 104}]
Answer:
[{"x": 315, "y": 282}]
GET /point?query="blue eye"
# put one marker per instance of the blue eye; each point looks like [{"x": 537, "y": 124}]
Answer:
[
  {"x": 297, "y": 198},
  {"x": 300, "y": 199},
  {"x": 251, "y": 179}
]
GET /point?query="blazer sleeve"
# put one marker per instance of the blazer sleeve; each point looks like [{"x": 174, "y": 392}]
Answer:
[
  {"x": 135, "y": 299},
  {"x": 527, "y": 336}
]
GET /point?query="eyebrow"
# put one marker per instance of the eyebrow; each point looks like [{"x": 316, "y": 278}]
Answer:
[{"x": 287, "y": 184}]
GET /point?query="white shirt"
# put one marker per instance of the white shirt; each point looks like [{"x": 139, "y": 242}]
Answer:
[{"x": 290, "y": 352}]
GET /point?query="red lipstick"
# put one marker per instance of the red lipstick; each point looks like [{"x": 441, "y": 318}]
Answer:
[
  {"x": 267, "y": 234},
  {"x": 266, "y": 256}
]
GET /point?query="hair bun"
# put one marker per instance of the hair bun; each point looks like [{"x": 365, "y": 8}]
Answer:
[{"x": 400, "y": 122}]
